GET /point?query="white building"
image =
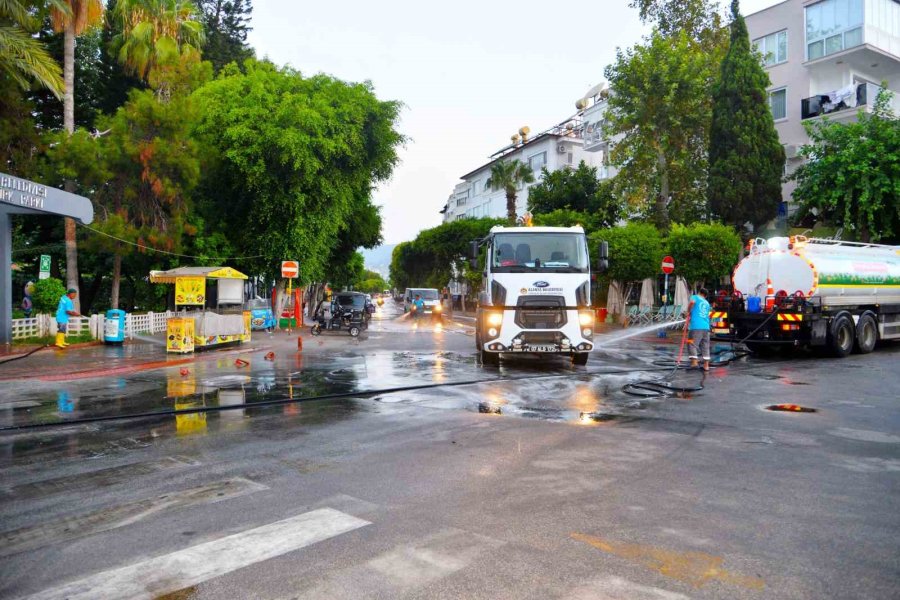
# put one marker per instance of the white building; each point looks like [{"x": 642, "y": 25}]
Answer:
[
  {"x": 825, "y": 57},
  {"x": 595, "y": 104},
  {"x": 557, "y": 148}
]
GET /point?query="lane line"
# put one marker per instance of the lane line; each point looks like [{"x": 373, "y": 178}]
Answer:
[
  {"x": 151, "y": 578},
  {"x": 69, "y": 528}
]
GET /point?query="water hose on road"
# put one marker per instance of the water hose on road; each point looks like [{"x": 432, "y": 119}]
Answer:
[
  {"x": 663, "y": 386},
  {"x": 26, "y": 355},
  {"x": 336, "y": 396}
]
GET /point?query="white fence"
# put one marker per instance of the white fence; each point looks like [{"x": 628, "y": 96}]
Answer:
[{"x": 43, "y": 325}]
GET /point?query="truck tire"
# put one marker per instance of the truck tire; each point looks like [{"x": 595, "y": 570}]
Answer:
[
  {"x": 579, "y": 359},
  {"x": 842, "y": 335},
  {"x": 866, "y": 333}
]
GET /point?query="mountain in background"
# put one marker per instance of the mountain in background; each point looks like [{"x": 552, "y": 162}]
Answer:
[{"x": 379, "y": 259}]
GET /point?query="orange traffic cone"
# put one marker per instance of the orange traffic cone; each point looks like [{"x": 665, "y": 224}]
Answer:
[
  {"x": 185, "y": 372},
  {"x": 299, "y": 344},
  {"x": 270, "y": 356},
  {"x": 241, "y": 363},
  {"x": 770, "y": 295}
]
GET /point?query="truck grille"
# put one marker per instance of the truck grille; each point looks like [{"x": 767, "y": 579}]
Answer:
[{"x": 541, "y": 312}]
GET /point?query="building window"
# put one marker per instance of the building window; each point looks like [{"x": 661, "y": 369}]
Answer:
[
  {"x": 537, "y": 162},
  {"x": 832, "y": 26},
  {"x": 778, "y": 103},
  {"x": 474, "y": 188},
  {"x": 773, "y": 48}
]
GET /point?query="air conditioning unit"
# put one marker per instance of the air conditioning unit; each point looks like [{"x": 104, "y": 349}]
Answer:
[
  {"x": 562, "y": 149},
  {"x": 791, "y": 151}
]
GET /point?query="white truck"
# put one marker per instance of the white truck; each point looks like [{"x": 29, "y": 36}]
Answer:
[
  {"x": 797, "y": 291},
  {"x": 536, "y": 293}
]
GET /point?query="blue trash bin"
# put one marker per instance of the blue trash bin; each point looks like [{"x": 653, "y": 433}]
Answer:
[{"x": 114, "y": 326}]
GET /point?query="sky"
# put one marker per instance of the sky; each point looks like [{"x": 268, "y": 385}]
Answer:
[{"x": 469, "y": 73}]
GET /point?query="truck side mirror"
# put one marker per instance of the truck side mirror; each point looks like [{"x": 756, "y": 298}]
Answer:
[
  {"x": 473, "y": 254},
  {"x": 603, "y": 263}
]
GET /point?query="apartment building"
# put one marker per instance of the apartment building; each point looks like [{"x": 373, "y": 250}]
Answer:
[
  {"x": 557, "y": 148},
  {"x": 825, "y": 59}
]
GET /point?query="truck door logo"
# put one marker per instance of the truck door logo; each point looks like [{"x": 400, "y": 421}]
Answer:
[{"x": 541, "y": 284}]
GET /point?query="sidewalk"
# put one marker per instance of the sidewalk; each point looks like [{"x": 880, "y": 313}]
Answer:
[{"x": 81, "y": 361}]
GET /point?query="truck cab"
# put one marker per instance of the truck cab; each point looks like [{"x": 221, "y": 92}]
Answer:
[{"x": 536, "y": 293}]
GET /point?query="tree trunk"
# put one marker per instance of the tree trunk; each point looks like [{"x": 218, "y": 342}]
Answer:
[
  {"x": 661, "y": 215},
  {"x": 864, "y": 235},
  {"x": 116, "y": 281},
  {"x": 511, "y": 207},
  {"x": 69, "y": 124},
  {"x": 69, "y": 78}
]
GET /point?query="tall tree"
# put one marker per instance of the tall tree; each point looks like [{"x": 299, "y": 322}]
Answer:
[
  {"x": 290, "y": 159},
  {"x": 576, "y": 190},
  {"x": 227, "y": 24},
  {"x": 159, "y": 37},
  {"x": 700, "y": 19},
  {"x": 23, "y": 58},
  {"x": 508, "y": 175},
  {"x": 72, "y": 17},
  {"x": 659, "y": 109},
  {"x": 746, "y": 158},
  {"x": 852, "y": 174}
]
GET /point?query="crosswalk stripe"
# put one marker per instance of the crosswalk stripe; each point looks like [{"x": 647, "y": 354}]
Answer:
[{"x": 171, "y": 572}]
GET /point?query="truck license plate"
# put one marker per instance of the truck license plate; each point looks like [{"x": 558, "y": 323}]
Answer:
[{"x": 543, "y": 348}]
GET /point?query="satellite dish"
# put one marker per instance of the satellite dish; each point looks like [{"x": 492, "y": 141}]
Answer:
[{"x": 597, "y": 90}]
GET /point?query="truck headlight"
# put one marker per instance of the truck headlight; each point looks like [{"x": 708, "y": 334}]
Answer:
[
  {"x": 494, "y": 319},
  {"x": 437, "y": 308},
  {"x": 492, "y": 332},
  {"x": 586, "y": 318}
]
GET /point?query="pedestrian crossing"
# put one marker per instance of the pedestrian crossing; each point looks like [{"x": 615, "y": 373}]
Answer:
[{"x": 168, "y": 573}]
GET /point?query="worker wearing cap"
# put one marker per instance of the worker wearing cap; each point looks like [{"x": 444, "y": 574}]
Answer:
[
  {"x": 65, "y": 310},
  {"x": 697, "y": 327}
]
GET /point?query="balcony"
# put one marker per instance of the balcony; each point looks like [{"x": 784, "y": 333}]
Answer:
[{"x": 843, "y": 100}]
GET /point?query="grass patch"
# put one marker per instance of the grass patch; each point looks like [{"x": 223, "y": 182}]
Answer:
[{"x": 51, "y": 339}]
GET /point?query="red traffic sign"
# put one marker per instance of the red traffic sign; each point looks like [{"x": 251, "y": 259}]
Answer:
[
  {"x": 668, "y": 265},
  {"x": 290, "y": 269}
]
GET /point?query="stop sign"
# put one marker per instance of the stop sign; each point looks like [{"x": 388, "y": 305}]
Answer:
[
  {"x": 290, "y": 269},
  {"x": 668, "y": 265}
]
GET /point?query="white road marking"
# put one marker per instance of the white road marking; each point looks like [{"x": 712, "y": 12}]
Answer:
[
  {"x": 171, "y": 572},
  {"x": 616, "y": 588}
]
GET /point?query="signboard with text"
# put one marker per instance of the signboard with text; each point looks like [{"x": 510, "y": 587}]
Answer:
[{"x": 44, "y": 270}]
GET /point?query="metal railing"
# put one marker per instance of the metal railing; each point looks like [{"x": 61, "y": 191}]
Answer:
[{"x": 823, "y": 104}]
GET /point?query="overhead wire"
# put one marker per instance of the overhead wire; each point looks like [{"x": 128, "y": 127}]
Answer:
[{"x": 152, "y": 249}]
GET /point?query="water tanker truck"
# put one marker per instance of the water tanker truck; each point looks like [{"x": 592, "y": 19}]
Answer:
[
  {"x": 536, "y": 293},
  {"x": 797, "y": 291}
]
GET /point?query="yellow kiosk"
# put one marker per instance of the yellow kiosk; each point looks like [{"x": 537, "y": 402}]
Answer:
[{"x": 209, "y": 302}]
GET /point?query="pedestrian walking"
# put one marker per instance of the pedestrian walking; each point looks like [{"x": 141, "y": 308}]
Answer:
[
  {"x": 65, "y": 310},
  {"x": 697, "y": 328}
]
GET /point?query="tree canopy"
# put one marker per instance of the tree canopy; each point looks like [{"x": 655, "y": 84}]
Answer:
[
  {"x": 746, "y": 158},
  {"x": 703, "y": 252},
  {"x": 660, "y": 106},
  {"x": 290, "y": 159},
  {"x": 635, "y": 250},
  {"x": 227, "y": 23},
  {"x": 576, "y": 190},
  {"x": 852, "y": 177},
  {"x": 509, "y": 175}
]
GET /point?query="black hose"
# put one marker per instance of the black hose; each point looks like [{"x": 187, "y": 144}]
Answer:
[
  {"x": 663, "y": 387},
  {"x": 26, "y": 355},
  {"x": 282, "y": 401}
]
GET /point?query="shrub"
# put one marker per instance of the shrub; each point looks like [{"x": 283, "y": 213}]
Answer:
[
  {"x": 703, "y": 252},
  {"x": 635, "y": 251},
  {"x": 47, "y": 293}
]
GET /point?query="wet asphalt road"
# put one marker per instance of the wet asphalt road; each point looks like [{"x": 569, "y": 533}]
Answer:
[{"x": 537, "y": 480}]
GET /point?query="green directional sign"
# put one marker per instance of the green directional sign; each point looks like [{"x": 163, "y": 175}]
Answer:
[{"x": 45, "y": 267}]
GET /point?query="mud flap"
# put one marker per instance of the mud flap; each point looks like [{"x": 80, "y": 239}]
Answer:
[{"x": 818, "y": 333}]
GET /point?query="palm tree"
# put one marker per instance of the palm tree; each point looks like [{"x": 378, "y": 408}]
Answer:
[
  {"x": 156, "y": 36},
  {"x": 72, "y": 17},
  {"x": 508, "y": 176},
  {"x": 22, "y": 57}
]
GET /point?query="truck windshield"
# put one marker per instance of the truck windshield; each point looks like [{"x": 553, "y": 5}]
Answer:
[
  {"x": 425, "y": 294},
  {"x": 539, "y": 253}
]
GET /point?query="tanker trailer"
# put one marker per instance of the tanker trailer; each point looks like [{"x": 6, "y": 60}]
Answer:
[{"x": 797, "y": 291}]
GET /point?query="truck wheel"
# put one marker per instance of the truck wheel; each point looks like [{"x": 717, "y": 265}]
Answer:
[
  {"x": 316, "y": 329},
  {"x": 842, "y": 335},
  {"x": 866, "y": 333},
  {"x": 354, "y": 331},
  {"x": 489, "y": 359},
  {"x": 580, "y": 359}
]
